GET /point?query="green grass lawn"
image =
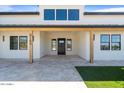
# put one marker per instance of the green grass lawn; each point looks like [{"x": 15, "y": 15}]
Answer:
[{"x": 102, "y": 76}]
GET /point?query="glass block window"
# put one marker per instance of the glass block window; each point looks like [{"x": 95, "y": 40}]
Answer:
[
  {"x": 61, "y": 14},
  {"x": 73, "y": 14},
  {"x": 49, "y": 14},
  {"x": 23, "y": 42},
  {"x": 13, "y": 42}
]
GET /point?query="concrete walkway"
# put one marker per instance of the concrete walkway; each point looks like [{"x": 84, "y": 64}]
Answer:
[{"x": 48, "y": 68}]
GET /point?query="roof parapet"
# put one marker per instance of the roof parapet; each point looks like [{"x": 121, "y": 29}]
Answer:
[
  {"x": 19, "y": 13},
  {"x": 103, "y": 13}
]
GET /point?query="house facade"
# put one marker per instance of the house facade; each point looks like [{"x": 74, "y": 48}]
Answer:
[{"x": 62, "y": 30}]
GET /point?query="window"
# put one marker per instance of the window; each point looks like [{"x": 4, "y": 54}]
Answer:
[
  {"x": 49, "y": 14},
  {"x": 73, "y": 14},
  {"x": 69, "y": 44},
  {"x": 13, "y": 42},
  {"x": 53, "y": 45},
  {"x": 61, "y": 14},
  {"x": 115, "y": 42},
  {"x": 23, "y": 42},
  {"x": 105, "y": 42}
]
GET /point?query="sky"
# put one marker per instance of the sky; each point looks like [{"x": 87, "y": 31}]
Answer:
[
  {"x": 88, "y": 8},
  {"x": 18, "y": 8},
  {"x": 104, "y": 8}
]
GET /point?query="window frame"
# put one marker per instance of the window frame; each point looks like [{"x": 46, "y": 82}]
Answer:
[
  {"x": 104, "y": 42},
  {"x": 53, "y": 45},
  {"x": 48, "y": 19},
  {"x": 11, "y": 43},
  {"x": 58, "y": 10},
  {"x": 116, "y": 42},
  {"x": 67, "y": 44},
  {"x": 69, "y": 15},
  {"x": 26, "y": 43}
]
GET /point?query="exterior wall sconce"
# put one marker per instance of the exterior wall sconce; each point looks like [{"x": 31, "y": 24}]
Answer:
[
  {"x": 93, "y": 37},
  {"x": 3, "y": 38},
  {"x": 33, "y": 38}
]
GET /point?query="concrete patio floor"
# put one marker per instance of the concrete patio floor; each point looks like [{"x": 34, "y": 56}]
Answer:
[{"x": 48, "y": 68}]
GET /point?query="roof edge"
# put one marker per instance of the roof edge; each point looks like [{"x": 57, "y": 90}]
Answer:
[
  {"x": 103, "y": 13},
  {"x": 65, "y": 26},
  {"x": 19, "y": 13}
]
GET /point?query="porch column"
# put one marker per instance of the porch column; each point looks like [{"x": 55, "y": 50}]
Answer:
[
  {"x": 31, "y": 47},
  {"x": 91, "y": 47}
]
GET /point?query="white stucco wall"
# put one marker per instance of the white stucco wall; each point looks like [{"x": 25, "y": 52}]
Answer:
[
  {"x": 5, "y": 51},
  {"x": 84, "y": 43},
  {"x": 20, "y": 19},
  {"x": 36, "y": 45},
  {"x": 42, "y": 44},
  {"x": 108, "y": 54}
]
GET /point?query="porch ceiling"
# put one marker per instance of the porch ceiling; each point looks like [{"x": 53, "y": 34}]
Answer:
[{"x": 61, "y": 27}]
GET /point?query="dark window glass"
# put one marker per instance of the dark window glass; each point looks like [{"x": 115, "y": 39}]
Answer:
[
  {"x": 73, "y": 14},
  {"x": 105, "y": 42},
  {"x": 13, "y": 42},
  {"x": 49, "y": 14},
  {"x": 61, "y": 14},
  {"x": 115, "y": 42},
  {"x": 69, "y": 44},
  {"x": 23, "y": 42},
  {"x": 105, "y": 46},
  {"x": 53, "y": 45}
]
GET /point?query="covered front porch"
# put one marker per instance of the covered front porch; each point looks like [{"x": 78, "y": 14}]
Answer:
[
  {"x": 64, "y": 43},
  {"x": 37, "y": 48}
]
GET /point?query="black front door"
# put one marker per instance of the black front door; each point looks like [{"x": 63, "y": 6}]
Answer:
[{"x": 61, "y": 46}]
